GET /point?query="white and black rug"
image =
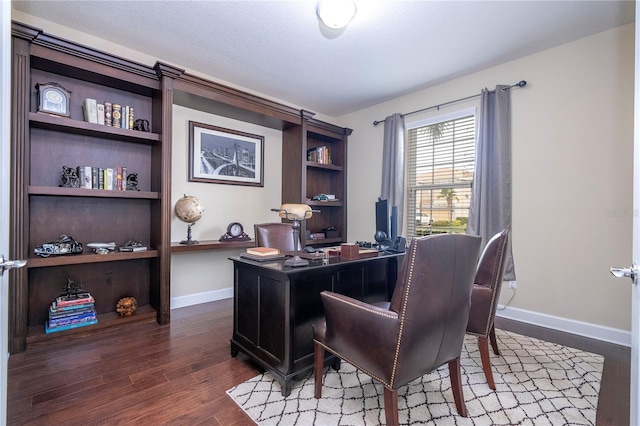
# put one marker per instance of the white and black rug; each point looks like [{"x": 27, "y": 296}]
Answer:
[{"x": 537, "y": 383}]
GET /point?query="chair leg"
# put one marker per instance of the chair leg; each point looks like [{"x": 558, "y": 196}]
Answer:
[
  {"x": 456, "y": 386},
  {"x": 494, "y": 342},
  {"x": 483, "y": 346},
  {"x": 318, "y": 365},
  {"x": 391, "y": 407}
]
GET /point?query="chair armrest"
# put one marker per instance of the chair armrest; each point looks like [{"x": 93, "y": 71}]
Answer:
[{"x": 354, "y": 328}]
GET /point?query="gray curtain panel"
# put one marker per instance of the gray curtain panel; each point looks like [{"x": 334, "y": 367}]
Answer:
[
  {"x": 393, "y": 164},
  {"x": 490, "y": 209}
]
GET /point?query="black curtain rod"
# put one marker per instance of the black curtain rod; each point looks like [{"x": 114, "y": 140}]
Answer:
[{"x": 521, "y": 83}]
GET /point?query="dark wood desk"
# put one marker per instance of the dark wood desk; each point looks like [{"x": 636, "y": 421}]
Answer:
[{"x": 275, "y": 307}]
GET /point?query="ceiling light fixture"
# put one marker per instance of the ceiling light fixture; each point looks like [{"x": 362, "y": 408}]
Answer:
[{"x": 336, "y": 14}]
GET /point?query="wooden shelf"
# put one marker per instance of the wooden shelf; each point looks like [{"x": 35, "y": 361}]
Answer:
[
  {"x": 68, "y": 125},
  {"x": 320, "y": 166},
  {"x": 325, "y": 203},
  {"x": 81, "y": 259},
  {"x": 97, "y": 193},
  {"x": 36, "y": 334},
  {"x": 324, "y": 241},
  {"x": 211, "y": 245}
]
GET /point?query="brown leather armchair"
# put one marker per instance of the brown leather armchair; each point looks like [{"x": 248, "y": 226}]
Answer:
[
  {"x": 275, "y": 235},
  {"x": 484, "y": 297},
  {"x": 422, "y": 329}
]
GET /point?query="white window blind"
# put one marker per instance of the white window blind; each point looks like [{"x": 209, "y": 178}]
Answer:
[{"x": 441, "y": 159}]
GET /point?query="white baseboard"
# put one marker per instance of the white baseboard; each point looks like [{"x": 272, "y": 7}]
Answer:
[
  {"x": 593, "y": 331},
  {"x": 195, "y": 299}
]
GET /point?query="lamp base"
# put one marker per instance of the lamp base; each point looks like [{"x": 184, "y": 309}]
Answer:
[
  {"x": 296, "y": 261},
  {"x": 189, "y": 242}
]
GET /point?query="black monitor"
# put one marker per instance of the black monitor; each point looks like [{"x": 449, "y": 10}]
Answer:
[{"x": 382, "y": 217}]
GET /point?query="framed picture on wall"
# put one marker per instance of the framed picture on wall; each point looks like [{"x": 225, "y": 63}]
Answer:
[{"x": 219, "y": 155}]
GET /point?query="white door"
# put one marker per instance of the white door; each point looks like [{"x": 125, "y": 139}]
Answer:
[
  {"x": 635, "y": 295},
  {"x": 632, "y": 271},
  {"x": 5, "y": 119}
]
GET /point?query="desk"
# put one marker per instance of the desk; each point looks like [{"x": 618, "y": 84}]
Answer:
[{"x": 275, "y": 307}]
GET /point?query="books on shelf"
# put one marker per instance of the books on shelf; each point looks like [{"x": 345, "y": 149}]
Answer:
[
  {"x": 79, "y": 299},
  {"x": 48, "y": 329},
  {"x": 263, "y": 251},
  {"x": 108, "y": 114},
  {"x": 67, "y": 312},
  {"x": 110, "y": 178},
  {"x": 320, "y": 155},
  {"x": 90, "y": 108}
]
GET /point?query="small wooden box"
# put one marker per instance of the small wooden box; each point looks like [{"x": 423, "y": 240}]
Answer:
[{"x": 349, "y": 251}]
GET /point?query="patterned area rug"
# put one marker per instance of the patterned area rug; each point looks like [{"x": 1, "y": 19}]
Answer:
[{"x": 537, "y": 383}]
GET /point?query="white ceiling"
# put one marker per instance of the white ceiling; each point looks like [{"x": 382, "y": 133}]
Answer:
[{"x": 390, "y": 48}]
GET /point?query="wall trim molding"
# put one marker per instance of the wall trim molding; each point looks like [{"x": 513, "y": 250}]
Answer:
[
  {"x": 197, "y": 298},
  {"x": 592, "y": 331}
]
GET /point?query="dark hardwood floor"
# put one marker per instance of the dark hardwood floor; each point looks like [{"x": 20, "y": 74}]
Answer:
[{"x": 178, "y": 374}]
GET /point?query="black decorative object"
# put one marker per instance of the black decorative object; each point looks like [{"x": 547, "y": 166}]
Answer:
[
  {"x": 132, "y": 182},
  {"x": 141, "y": 125},
  {"x": 72, "y": 291},
  {"x": 69, "y": 178}
]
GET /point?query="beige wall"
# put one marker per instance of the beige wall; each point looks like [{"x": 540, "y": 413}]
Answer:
[
  {"x": 572, "y": 146},
  {"x": 204, "y": 272},
  {"x": 572, "y": 172}
]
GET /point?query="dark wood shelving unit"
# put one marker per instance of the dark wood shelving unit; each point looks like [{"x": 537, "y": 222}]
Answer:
[
  {"x": 83, "y": 192},
  {"x": 205, "y": 245},
  {"x": 81, "y": 259},
  {"x": 67, "y": 125},
  {"x": 37, "y": 336},
  {"x": 303, "y": 179},
  {"x": 41, "y": 210}
]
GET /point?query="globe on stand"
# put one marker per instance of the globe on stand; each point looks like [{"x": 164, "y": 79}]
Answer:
[{"x": 189, "y": 209}]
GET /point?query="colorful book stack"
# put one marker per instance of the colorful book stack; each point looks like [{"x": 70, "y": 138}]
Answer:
[{"x": 68, "y": 312}]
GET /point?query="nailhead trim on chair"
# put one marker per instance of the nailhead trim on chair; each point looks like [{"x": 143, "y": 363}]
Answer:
[
  {"x": 402, "y": 316},
  {"x": 494, "y": 284}
]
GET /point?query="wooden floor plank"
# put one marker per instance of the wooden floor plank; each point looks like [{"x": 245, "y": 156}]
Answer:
[{"x": 179, "y": 374}]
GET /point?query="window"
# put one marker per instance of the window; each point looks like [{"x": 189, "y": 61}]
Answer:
[{"x": 441, "y": 159}]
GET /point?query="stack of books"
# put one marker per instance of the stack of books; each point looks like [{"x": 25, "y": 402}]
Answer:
[
  {"x": 262, "y": 254},
  {"x": 67, "y": 312}
]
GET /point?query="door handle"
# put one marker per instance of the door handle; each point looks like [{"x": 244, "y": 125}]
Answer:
[
  {"x": 5, "y": 265},
  {"x": 631, "y": 272}
]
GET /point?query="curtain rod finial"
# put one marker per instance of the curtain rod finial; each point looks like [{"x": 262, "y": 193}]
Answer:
[{"x": 522, "y": 83}]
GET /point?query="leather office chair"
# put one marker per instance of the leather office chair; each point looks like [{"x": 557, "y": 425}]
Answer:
[
  {"x": 275, "y": 235},
  {"x": 423, "y": 328},
  {"x": 484, "y": 296}
]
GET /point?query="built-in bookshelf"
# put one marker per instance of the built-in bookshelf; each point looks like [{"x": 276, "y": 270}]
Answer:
[
  {"x": 42, "y": 210},
  {"x": 316, "y": 154}
]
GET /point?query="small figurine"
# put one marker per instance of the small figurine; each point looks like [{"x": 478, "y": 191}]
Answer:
[
  {"x": 132, "y": 182},
  {"x": 71, "y": 291},
  {"x": 66, "y": 244},
  {"x": 69, "y": 178},
  {"x": 142, "y": 125}
]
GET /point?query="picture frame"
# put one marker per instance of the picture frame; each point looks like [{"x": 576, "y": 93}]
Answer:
[{"x": 225, "y": 156}]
